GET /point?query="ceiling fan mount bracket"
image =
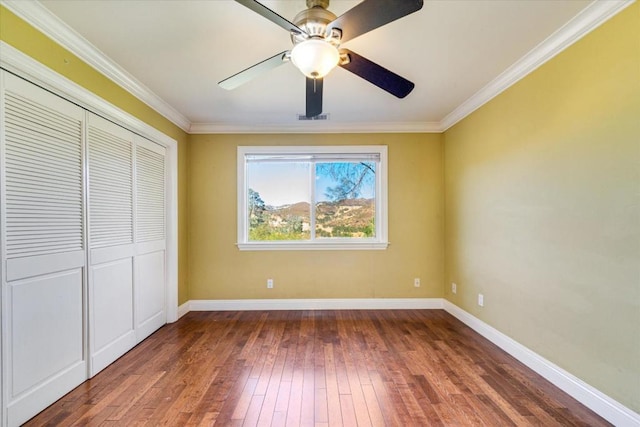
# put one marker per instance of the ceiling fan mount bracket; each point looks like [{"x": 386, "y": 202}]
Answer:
[{"x": 318, "y": 3}]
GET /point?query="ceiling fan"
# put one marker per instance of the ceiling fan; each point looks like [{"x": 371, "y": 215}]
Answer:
[{"x": 317, "y": 34}]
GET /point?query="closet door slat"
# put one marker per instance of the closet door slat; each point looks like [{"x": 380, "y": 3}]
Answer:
[
  {"x": 110, "y": 189},
  {"x": 43, "y": 179},
  {"x": 150, "y": 207}
]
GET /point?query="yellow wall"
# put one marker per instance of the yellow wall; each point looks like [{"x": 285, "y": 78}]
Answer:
[
  {"x": 218, "y": 270},
  {"x": 22, "y": 36},
  {"x": 542, "y": 209}
]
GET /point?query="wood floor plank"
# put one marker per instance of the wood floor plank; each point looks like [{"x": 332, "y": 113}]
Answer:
[
  {"x": 272, "y": 391},
  {"x": 307, "y": 410},
  {"x": 333, "y": 395},
  {"x": 390, "y": 410},
  {"x": 321, "y": 406},
  {"x": 348, "y": 411},
  {"x": 130, "y": 400},
  {"x": 282, "y": 401},
  {"x": 317, "y": 368},
  {"x": 234, "y": 386},
  {"x": 90, "y": 411},
  {"x": 279, "y": 419},
  {"x": 294, "y": 407},
  {"x": 373, "y": 407},
  {"x": 244, "y": 400},
  {"x": 253, "y": 411}
]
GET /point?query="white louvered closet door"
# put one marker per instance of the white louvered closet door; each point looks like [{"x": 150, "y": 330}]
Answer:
[
  {"x": 127, "y": 243},
  {"x": 111, "y": 249},
  {"x": 150, "y": 238},
  {"x": 43, "y": 249}
]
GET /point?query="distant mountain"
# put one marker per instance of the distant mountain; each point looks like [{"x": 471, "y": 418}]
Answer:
[
  {"x": 297, "y": 209},
  {"x": 344, "y": 218}
]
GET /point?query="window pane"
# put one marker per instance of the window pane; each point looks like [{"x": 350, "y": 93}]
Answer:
[
  {"x": 279, "y": 200},
  {"x": 345, "y": 199}
]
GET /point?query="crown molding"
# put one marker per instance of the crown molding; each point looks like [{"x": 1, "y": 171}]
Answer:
[
  {"x": 584, "y": 22},
  {"x": 318, "y": 127},
  {"x": 21, "y": 64},
  {"x": 50, "y": 25},
  {"x": 587, "y": 20}
]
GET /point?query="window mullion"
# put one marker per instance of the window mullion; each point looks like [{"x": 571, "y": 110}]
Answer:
[{"x": 312, "y": 208}]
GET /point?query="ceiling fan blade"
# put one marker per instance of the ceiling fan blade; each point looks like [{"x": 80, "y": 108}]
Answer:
[
  {"x": 314, "y": 97},
  {"x": 371, "y": 14},
  {"x": 254, "y": 71},
  {"x": 272, "y": 16},
  {"x": 376, "y": 74}
]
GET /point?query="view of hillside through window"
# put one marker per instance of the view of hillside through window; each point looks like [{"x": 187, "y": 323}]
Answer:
[{"x": 306, "y": 200}]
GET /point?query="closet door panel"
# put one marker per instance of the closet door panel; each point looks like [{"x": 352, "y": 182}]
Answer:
[
  {"x": 43, "y": 242},
  {"x": 111, "y": 228},
  {"x": 55, "y": 336},
  {"x": 18, "y": 268},
  {"x": 112, "y": 311},
  {"x": 150, "y": 279},
  {"x": 150, "y": 298},
  {"x": 102, "y": 255}
]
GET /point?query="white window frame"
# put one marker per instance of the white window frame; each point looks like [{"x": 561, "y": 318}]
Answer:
[{"x": 379, "y": 242}]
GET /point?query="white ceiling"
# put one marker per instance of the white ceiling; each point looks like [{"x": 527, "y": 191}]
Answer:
[{"x": 451, "y": 50}]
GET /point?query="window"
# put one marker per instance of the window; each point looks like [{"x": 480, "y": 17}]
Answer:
[{"x": 327, "y": 197}]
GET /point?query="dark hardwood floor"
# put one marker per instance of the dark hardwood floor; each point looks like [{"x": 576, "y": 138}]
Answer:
[{"x": 322, "y": 368}]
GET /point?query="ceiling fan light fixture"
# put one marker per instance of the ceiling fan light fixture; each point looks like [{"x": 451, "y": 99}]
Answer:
[{"x": 315, "y": 58}]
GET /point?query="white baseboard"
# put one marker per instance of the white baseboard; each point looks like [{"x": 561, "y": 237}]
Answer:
[
  {"x": 609, "y": 409},
  {"x": 315, "y": 304},
  {"x": 184, "y": 309}
]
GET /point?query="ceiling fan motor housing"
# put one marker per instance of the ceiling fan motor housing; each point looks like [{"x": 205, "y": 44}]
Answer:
[{"x": 314, "y": 21}]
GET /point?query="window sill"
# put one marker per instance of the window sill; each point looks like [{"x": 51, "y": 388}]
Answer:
[{"x": 317, "y": 246}]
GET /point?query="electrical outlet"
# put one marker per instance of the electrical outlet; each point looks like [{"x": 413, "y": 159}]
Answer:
[
  {"x": 481, "y": 300},
  {"x": 416, "y": 282},
  {"x": 454, "y": 288},
  {"x": 269, "y": 283}
]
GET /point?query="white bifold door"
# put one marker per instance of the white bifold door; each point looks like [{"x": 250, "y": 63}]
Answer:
[
  {"x": 126, "y": 240},
  {"x": 82, "y": 222},
  {"x": 43, "y": 298}
]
